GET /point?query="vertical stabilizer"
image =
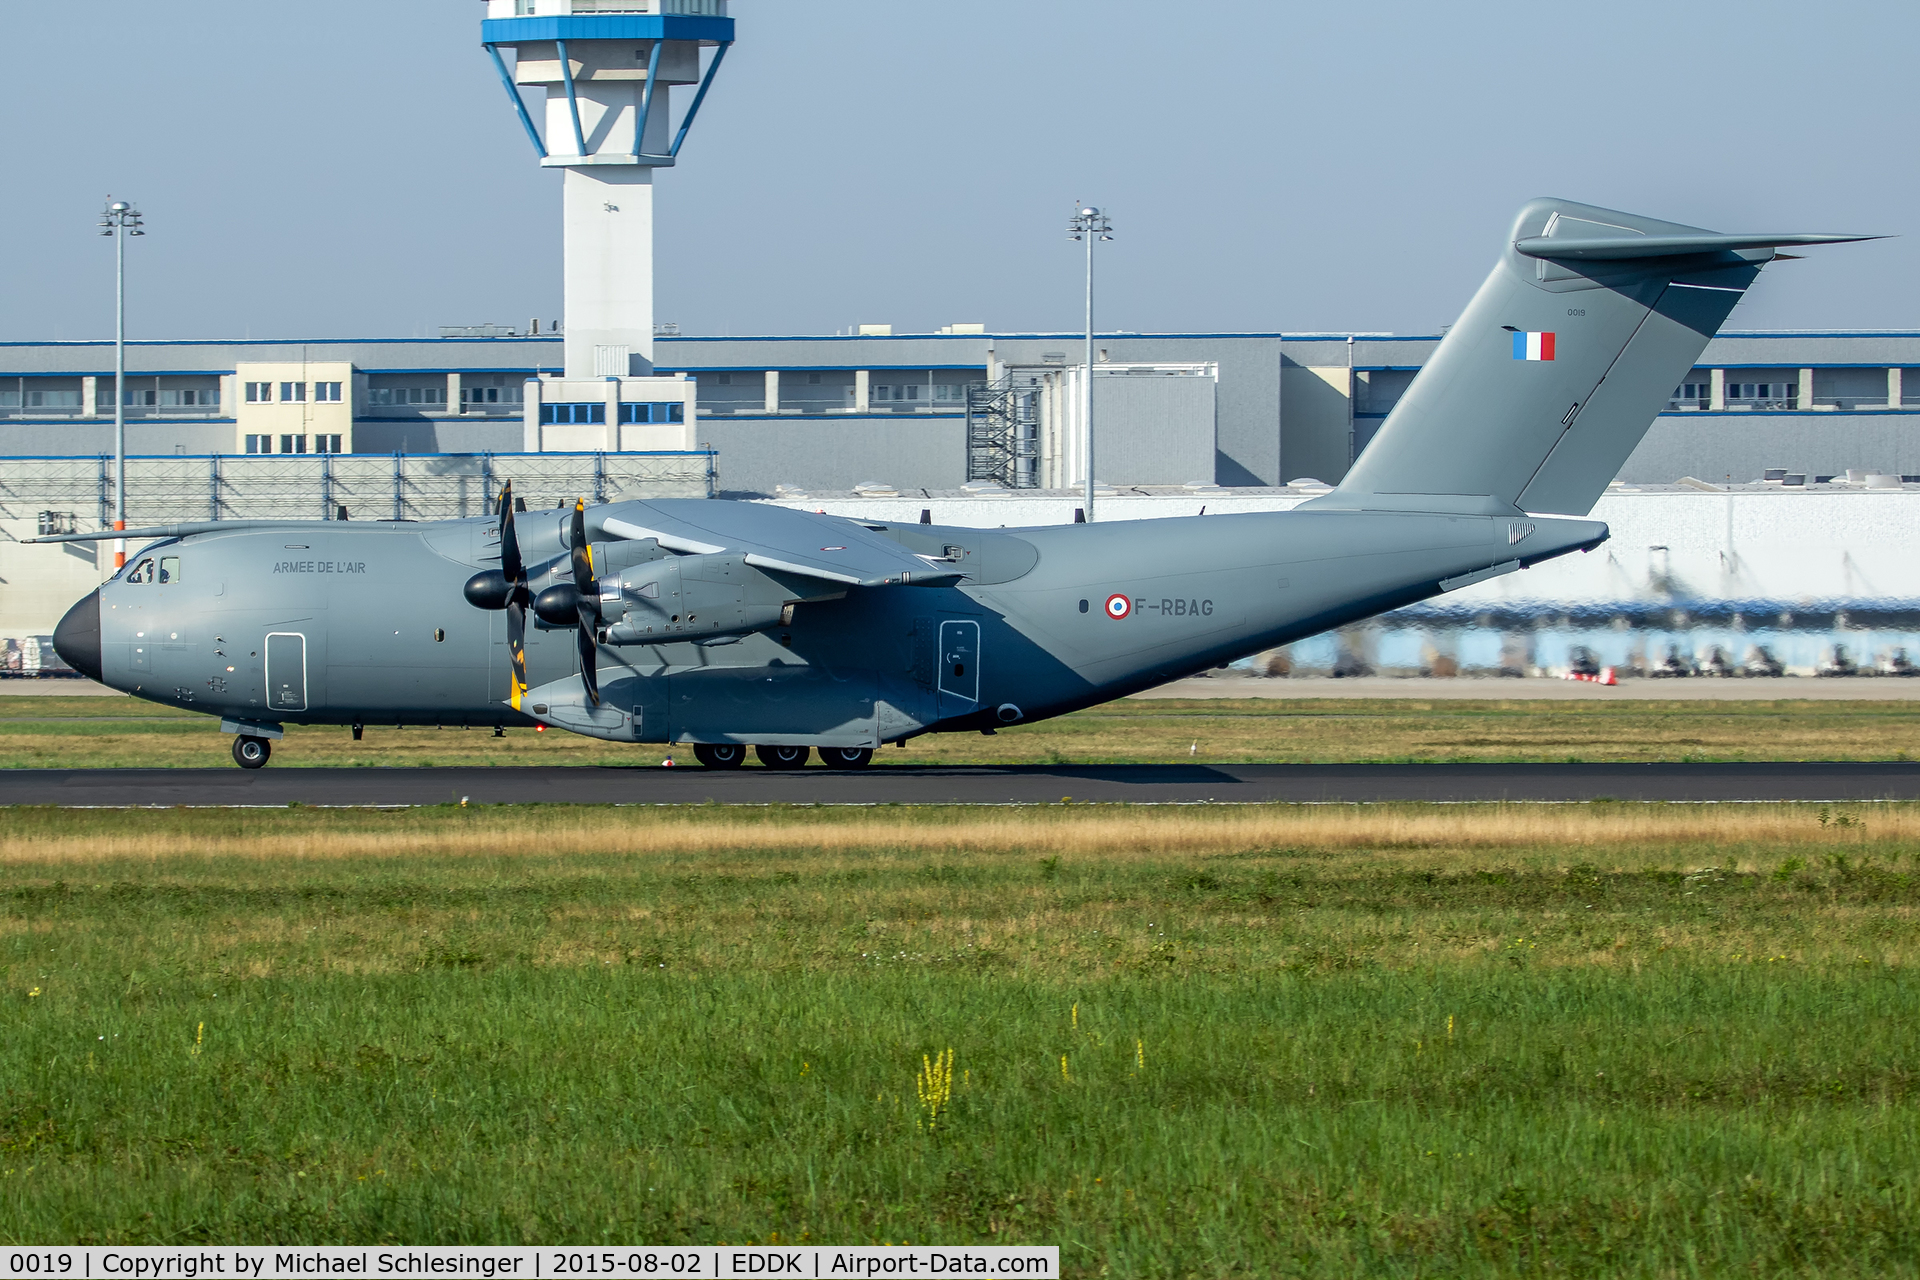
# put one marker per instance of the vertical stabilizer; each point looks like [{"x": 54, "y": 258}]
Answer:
[{"x": 1560, "y": 363}]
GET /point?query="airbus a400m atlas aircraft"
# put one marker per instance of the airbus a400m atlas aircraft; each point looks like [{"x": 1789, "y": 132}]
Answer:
[{"x": 728, "y": 625}]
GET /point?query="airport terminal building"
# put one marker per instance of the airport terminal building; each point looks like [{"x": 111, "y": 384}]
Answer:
[{"x": 914, "y": 411}]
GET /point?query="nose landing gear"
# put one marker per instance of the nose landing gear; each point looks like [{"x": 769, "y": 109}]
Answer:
[{"x": 250, "y": 752}]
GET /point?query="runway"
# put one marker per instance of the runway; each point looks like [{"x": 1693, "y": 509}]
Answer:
[{"x": 1040, "y": 784}]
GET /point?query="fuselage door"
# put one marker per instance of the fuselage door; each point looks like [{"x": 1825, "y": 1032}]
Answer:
[
  {"x": 286, "y": 671},
  {"x": 959, "y": 673}
]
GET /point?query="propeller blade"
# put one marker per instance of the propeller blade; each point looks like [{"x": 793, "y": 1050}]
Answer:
[
  {"x": 589, "y": 660},
  {"x": 514, "y": 570},
  {"x": 582, "y": 553},
  {"x": 511, "y": 566},
  {"x": 587, "y": 596},
  {"x": 517, "y": 647}
]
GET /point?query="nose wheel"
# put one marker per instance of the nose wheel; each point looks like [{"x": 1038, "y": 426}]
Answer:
[
  {"x": 846, "y": 757},
  {"x": 720, "y": 755},
  {"x": 783, "y": 757},
  {"x": 250, "y": 752}
]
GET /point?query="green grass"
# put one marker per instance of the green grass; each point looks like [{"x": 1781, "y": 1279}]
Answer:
[
  {"x": 40, "y": 732},
  {"x": 1464, "y": 1041}
]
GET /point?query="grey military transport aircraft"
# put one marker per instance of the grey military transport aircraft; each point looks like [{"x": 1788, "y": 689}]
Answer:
[{"x": 728, "y": 625}]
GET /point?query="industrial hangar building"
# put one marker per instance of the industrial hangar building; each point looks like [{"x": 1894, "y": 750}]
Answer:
[{"x": 918, "y": 411}]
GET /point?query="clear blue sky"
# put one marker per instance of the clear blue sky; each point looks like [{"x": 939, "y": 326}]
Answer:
[{"x": 352, "y": 168}]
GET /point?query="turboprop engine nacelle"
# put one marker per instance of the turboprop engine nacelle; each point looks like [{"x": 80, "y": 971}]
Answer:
[{"x": 691, "y": 597}]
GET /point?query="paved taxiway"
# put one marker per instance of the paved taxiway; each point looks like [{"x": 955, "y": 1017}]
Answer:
[{"x": 1042, "y": 784}]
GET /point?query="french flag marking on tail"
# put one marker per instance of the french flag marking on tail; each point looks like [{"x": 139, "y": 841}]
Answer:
[{"x": 1532, "y": 346}]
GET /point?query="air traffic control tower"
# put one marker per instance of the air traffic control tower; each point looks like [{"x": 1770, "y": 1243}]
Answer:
[{"x": 610, "y": 69}]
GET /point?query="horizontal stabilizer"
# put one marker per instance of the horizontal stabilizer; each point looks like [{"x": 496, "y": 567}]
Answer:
[{"x": 1599, "y": 248}]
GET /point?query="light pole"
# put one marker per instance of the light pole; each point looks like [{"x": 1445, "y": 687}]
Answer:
[
  {"x": 120, "y": 220},
  {"x": 1089, "y": 224}
]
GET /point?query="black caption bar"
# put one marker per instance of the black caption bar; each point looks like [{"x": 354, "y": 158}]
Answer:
[{"x": 705, "y": 1262}]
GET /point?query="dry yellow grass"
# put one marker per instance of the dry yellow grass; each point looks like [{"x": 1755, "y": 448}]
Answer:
[{"x": 1630, "y": 835}]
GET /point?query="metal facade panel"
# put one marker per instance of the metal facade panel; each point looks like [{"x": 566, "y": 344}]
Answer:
[
  {"x": 1153, "y": 430},
  {"x": 1739, "y": 447},
  {"x": 910, "y": 452}
]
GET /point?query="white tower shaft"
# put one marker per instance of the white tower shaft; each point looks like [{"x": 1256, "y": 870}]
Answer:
[{"x": 609, "y": 271}]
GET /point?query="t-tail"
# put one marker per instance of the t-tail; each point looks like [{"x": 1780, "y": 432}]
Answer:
[{"x": 1559, "y": 365}]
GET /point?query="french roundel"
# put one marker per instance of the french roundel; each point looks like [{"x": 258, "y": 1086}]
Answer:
[{"x": 1118, "y": 606}]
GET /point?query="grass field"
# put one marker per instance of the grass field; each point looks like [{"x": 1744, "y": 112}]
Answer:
[
  {"x": 1602, "y": 1039},
  {"x": 53, "y": 732}
]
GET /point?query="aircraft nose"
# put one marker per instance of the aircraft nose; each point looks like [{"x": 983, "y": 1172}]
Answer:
[{"x": 77, "y": 638}]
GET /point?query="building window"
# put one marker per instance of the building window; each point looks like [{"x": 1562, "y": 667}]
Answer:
[
  {"x": 1764, "y": 394},
  {"x": 259, "y": 444},
  {"x": 560, "y": 414},
  {"x": 326, "y": 444},
  {"x": 407, "y": 395},
  {"x": 259, "y": 392},
  {"x": 293, "y": 444},
  {"x": 55, "y": 400},
  {"x": 672, "y": 411},
  {"x": 188, "y": 396},
  {"x": 813, "y": 379},
  {"x": 480, "y": 395},
  {"x": 327, "y": 392},
  {"x": 293, "y": 392},
  {"x": 139, "y": 396}
]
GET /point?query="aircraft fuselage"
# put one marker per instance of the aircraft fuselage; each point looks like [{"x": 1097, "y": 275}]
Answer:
[{"x": 366, "y": 623}]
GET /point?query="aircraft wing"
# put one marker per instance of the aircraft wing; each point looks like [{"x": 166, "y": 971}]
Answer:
[
  {"x": 779, "y": 539},
  {"x": 152, "y": 532}
]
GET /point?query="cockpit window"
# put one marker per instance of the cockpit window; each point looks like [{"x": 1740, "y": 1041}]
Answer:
[
  {"x": 142, "y": 572},
  {"x": 169, "y": 569}
]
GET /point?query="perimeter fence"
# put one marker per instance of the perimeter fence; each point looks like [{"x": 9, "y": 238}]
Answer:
[{"x": 70, "y": 495}]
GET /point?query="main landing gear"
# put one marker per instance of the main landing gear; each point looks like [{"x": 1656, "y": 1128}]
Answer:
[
  {"x": 846, "y": 757},
  {"x": 720, "y": 755},
  {"x": 250, "y": 752},
  {"x": 731, "y": 755},
  {"x": 783, "y": 757}
]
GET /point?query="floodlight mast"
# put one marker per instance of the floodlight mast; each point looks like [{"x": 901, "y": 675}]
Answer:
[
  {"x": 120, "y": 220},
  {"x": 1089, "y": 224}
]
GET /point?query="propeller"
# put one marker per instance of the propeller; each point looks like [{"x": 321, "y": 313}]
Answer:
[
  {"x": 586, "y": 603},
  {"x": 514, "y": 570}
]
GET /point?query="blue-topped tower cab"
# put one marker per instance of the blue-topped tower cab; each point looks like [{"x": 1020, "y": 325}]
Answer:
[{"x": 610, "y": 69}]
